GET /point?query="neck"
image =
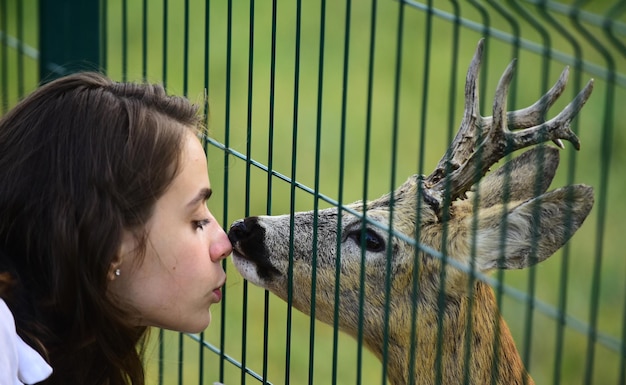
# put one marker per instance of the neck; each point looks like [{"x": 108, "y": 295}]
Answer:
[{"x": 454, "y": 356}]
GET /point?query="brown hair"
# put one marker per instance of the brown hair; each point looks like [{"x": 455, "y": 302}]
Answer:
[{"x": 81, "y": 159}]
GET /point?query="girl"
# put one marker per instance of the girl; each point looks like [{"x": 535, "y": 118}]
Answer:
[{"x": 104, "y": 230}]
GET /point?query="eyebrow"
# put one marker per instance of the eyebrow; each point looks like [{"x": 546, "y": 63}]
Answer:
[{"x": 202, "y": 196}]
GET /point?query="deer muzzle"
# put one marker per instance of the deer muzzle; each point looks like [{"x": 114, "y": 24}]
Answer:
[{"x": 250, "y": 254}]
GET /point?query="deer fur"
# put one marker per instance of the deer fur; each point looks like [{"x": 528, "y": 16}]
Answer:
[{"x": 506, "y": 221}]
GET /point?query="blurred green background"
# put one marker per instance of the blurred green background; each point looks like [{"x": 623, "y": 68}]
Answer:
[{"x": 263, "y": 67}]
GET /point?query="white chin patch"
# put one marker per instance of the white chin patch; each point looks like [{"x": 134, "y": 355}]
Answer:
[{"x": 247, "y": 270}]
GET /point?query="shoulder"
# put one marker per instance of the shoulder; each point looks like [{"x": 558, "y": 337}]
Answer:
[
  {"x": 19, "y": 363},
  {"x": 7, "y": 331},
  {"x": 8, "y": 356}
]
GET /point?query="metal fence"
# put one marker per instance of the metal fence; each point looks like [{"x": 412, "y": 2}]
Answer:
[{"x": 321, "y": 103}]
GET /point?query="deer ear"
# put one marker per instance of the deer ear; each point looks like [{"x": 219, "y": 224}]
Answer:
[
  {"x": 526, "y": 176},
  {"x": 531, "y": 231}
]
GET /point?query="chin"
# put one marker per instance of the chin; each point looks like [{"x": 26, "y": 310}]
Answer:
[
  {"x": 197, "y": 326},
  {"x": 193, "y": 329}
]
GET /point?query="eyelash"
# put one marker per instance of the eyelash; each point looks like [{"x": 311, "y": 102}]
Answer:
[{"x": 200, "y": 224}]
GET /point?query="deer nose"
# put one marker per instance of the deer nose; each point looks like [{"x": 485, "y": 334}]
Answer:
[
  {"x": 238, "y": 231},
  {"x": 242, "y": 229}
]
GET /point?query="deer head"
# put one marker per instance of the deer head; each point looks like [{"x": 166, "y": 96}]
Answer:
[{"x": 501, "y": 220}]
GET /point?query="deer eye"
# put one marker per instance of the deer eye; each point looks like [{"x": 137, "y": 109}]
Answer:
[{"x": 372, "y": 241}]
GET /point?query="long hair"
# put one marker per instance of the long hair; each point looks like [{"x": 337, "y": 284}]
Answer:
[{"x": 82, "y": 159}]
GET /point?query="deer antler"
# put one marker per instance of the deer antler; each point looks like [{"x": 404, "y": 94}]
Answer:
[{"x": 483, "y": 141}]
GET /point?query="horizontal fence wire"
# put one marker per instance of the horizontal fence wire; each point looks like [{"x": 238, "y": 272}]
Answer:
[
  {"x": 225, "y": 357},
  {"x": 593, "y": 69},
  {"x": 604, "y": 33},
  {"x": 18, "y": 45}
]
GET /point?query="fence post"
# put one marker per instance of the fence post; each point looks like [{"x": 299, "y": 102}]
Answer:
[{"x": 69, "y": 37}]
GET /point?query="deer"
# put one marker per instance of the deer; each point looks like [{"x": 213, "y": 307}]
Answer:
[{"x": 481, "y": 220}]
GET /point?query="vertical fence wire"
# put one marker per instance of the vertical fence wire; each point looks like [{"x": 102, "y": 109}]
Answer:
[
  {"x": 615, "y": 11},
  {"x": 4, "y": 53},
  {"x": 205, "y": 106},
  {"x": 505, "y": 194},
  {"x": 601, "y": 210},
  {"x": 564, "y": 268},
  {"x": 532, "y": 273},
  {"x": 340, "y": 193},
  {"x": 125, "y": 38},
  {"x": 104, "y": 15},
  {"x": 186, "y": 37},
  {"x": 420, "y": 165},
  {"x": 316, "y": 186},
  {"x": 161, "y": 366},
  {"x": 165, "y": 48},
  {"x": 144, "y": 40},
  {"x": 227, "y": 128},
  {"x": 602, "y": 192},
  {"x": 19, "y": 21},
  {"x": 473, "y": 231},
  {"x": 244, "y": 326},
  {"x": 270, "y": 185},
  {"x": 292, "y": 197},
  {"x": 366, "y": 168},
  {"x": 392, "y": 181},
  {"x": 185, "y": 83},
  {"x": 446, "y": 212}
]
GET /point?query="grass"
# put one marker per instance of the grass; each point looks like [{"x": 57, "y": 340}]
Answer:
[{"x": 428, "y": 102}]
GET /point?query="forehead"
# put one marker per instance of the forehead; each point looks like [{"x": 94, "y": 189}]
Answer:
[{"x": 193, "y": 176}]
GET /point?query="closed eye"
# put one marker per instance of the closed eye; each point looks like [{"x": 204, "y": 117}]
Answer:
[
  {"x": 199, "y": 225},
  {"x": 369, "y": 239}
]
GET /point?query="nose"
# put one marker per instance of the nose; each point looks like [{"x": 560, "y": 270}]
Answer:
[
  {"x": 220, "y": 246},
  {"x": 246, "y": 230},
  {"x": 238, "y": 231}
]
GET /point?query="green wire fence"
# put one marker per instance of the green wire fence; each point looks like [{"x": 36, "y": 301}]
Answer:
[{"x": 316, "y": 104}]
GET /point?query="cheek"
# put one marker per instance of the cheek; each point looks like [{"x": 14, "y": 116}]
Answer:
[
  {"x": 173, "y": 291},
  {"x": 188, "y": 262},
  {"x": 174, "y": 266}
]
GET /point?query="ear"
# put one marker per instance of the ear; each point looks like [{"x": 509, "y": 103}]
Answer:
[
  {"x": 532, "y": 231},
  {"x": 127, "y": 245},
  {"x": 525, "y": 176},
  {"x": 115, "y": 266}
]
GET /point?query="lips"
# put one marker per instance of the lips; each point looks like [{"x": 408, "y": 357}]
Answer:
[{"x": 217, "y": 292}]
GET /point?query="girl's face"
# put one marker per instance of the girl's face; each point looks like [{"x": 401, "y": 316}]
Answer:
[{"x": 180, "y": 276}]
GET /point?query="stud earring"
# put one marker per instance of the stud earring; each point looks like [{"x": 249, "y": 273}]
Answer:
[{"x": 117, "y": 272}]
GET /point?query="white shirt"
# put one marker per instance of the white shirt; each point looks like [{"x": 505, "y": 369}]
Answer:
[{"x": 19, "y": 363}]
